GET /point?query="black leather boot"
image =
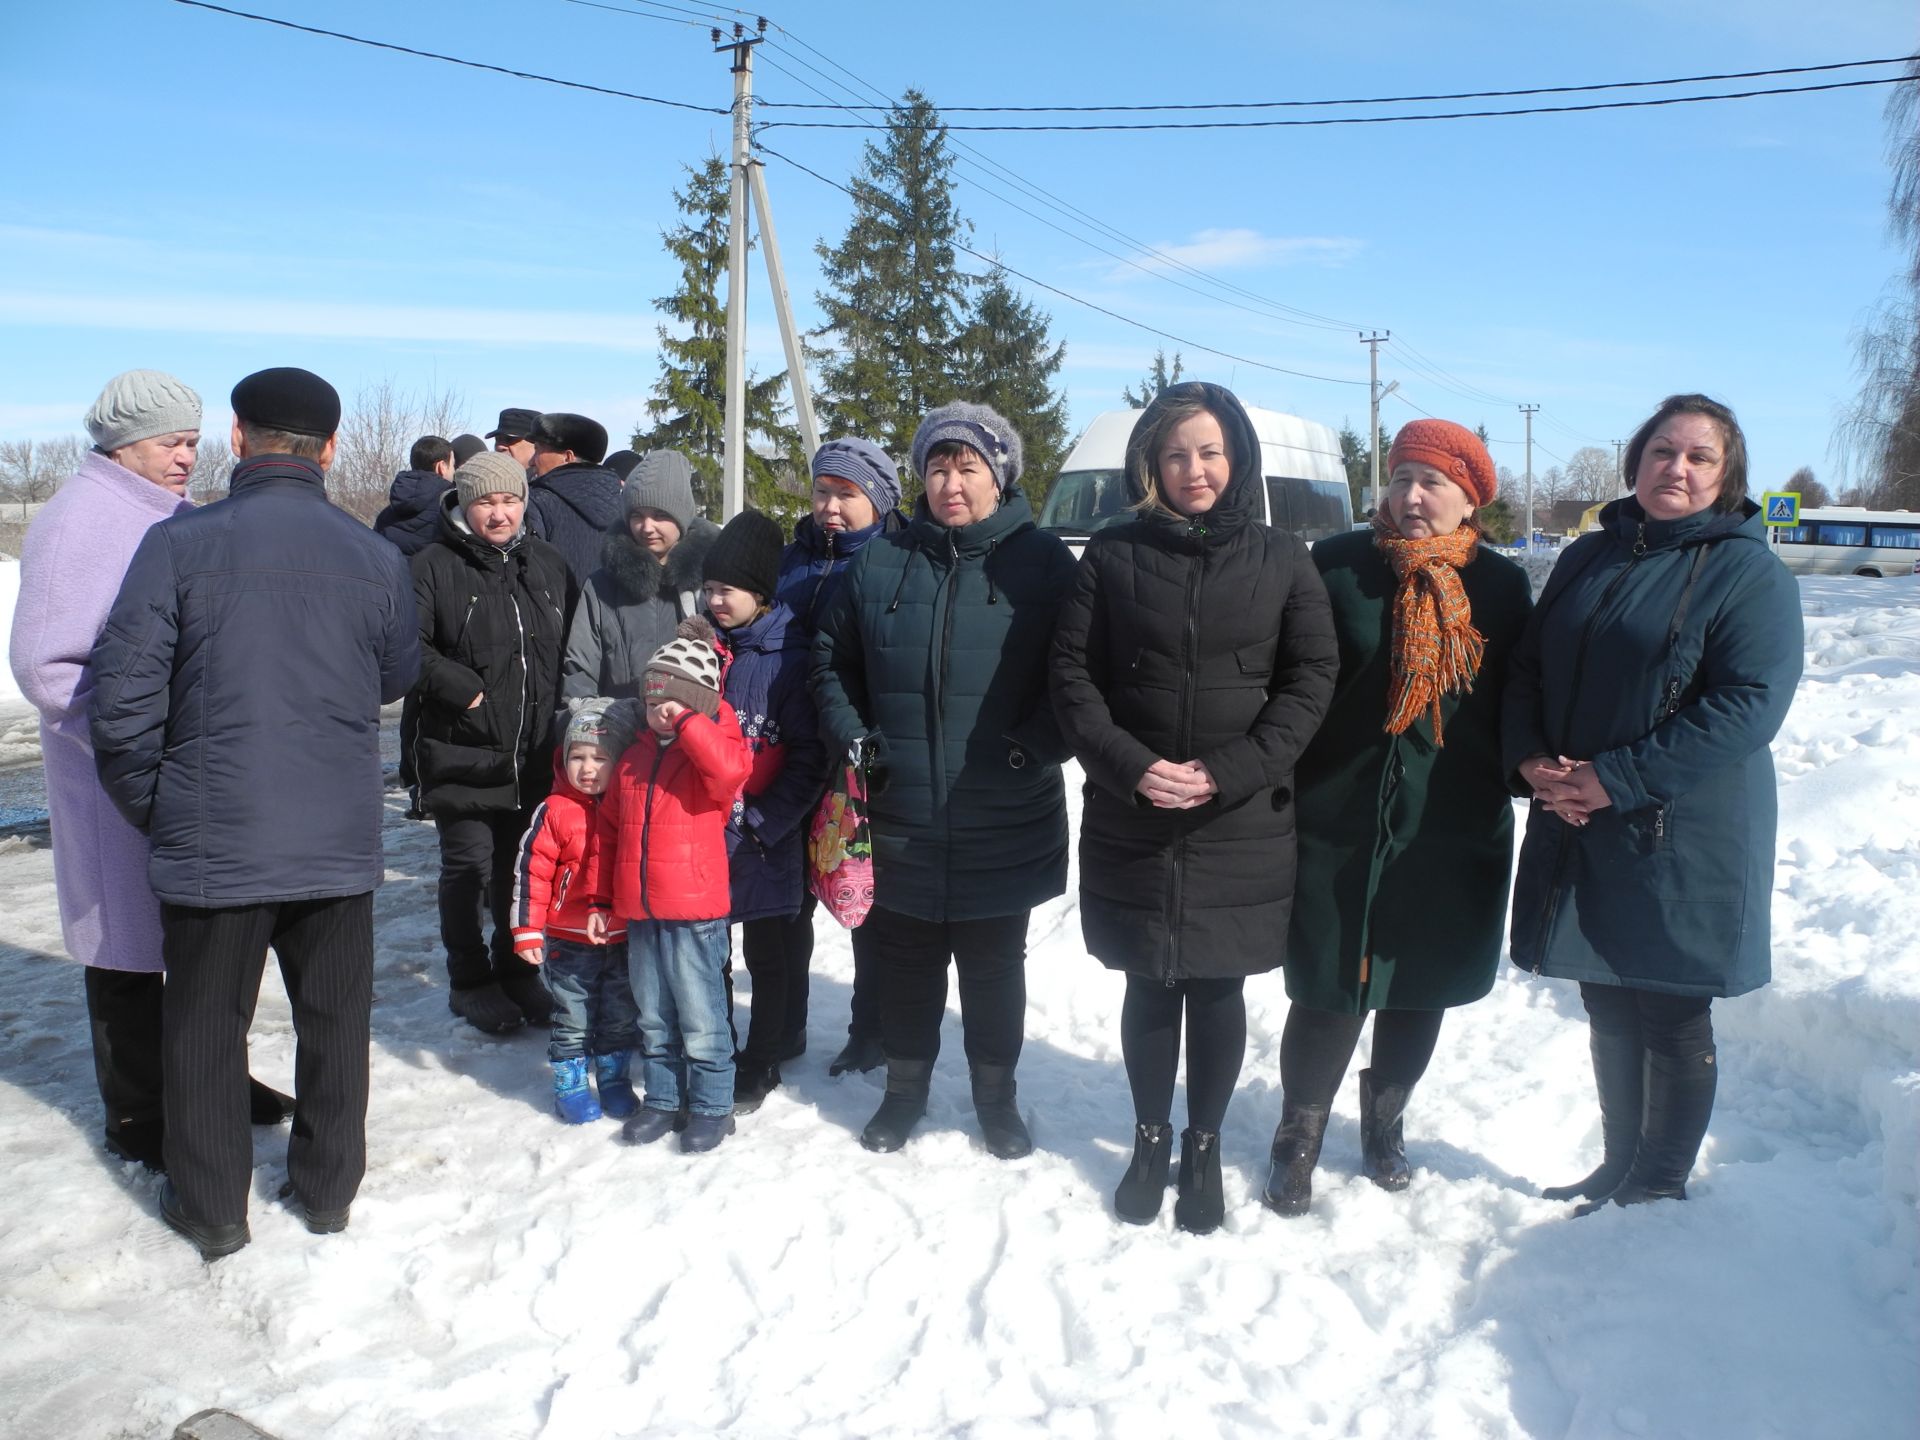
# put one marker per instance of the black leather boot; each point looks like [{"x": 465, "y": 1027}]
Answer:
[
  {"x": 1296, "y": 1150},
  {"x": 906, "y": 1102},
  {"x": 1620, "y": 1076},
  {"x": 995, "y": 1102},
  {"x": 861, "y": 1052},
  {"x": 1144, "y": 1186},
  {"x": 1200, "y": 1205},
  {"x": 1679, "y": 1104},
  {"x": 1383, "y": 1148}
]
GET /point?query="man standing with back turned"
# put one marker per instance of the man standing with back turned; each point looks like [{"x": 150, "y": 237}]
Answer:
[{"x": 236, "y": 720}]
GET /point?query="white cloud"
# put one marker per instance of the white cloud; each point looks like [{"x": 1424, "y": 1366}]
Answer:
[
  {"x": 1244, "y": 249},
  {"x": 320, "y": 319}
]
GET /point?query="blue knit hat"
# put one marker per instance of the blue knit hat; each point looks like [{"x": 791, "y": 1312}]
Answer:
[
  {"x": 864, "y": 465},
  {"x": 979, "y": 426}
]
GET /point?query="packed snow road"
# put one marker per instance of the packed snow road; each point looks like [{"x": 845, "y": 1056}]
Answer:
[{"x": 508, "y": 1276}]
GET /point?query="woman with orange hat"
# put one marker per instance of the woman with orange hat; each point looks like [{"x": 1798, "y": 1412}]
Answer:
[{"x": 1405, "y": 816}]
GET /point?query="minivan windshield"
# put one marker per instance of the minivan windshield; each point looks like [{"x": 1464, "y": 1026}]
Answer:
[{"x": 1083, "y": 501}]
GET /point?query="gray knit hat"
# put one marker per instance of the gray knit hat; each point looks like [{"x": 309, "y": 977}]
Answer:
[
  {"x": 490, "y": 473},
  {"x": 979, "y": 426},
  {"x": 596, "y": 720},
  {"x": 140, "y": 404},
  {"x": 687, "y": 668},
  {"x": 863, "y": 464},
  {"x": 662, "y": 481}
]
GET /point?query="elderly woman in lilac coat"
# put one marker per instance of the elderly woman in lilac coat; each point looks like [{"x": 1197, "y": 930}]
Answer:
[{"x": 146, "y": 428}]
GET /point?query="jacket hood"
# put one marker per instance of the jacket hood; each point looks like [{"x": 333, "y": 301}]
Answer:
[
  {"x": 1239, "y": 502},
  {"x": 637, "y": 576},
  {"x": 1628, "y": 524},
  {"x": 416, "y": 492}
]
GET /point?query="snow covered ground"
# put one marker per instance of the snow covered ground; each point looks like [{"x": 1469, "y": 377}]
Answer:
[{"x": 508, "y": 1276}]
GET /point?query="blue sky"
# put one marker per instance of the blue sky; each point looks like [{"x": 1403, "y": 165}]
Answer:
[{"x": 208, "y": 196}]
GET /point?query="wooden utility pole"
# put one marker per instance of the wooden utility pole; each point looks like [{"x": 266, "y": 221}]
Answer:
[
  {"x": 733, "y": 485},
  {"x": 1375, "y": 395}
]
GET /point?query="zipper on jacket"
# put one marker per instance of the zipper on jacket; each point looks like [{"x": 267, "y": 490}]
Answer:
[
  {"x": 646, "y": 824},
  {"x": 1189, "y": 682},
  {"x": 520, "y": 720},
  {"x": 819, "y": 583}
]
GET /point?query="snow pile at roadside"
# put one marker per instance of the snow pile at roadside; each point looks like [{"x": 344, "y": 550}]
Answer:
[{"x": 506, "y": 1276}]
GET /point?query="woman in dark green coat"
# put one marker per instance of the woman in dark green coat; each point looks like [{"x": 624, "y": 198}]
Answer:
[
  {"x": 1406, "y": 823},
  {"x": 1658, "y": 668}
]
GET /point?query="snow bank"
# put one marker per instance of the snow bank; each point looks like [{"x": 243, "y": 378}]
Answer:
[
  {"x": 9, "y": 593},
  {"x": 506, "y": 1276}
]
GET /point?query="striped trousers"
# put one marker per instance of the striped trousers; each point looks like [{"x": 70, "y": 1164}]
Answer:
[{"x": 214, "y": 959}]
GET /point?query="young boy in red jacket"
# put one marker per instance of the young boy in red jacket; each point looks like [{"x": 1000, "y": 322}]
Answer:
[
  {"x": 593, "y": 1009},
  {"x": 662, "y": 869}
]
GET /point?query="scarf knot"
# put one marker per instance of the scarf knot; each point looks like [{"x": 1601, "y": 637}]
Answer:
[{"x": 1436, "y": 651}]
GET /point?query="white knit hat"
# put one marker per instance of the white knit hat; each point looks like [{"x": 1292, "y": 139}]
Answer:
[{"x": 140, "y": 404}]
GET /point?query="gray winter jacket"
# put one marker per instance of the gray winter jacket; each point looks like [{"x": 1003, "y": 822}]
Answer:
[{"x": 628, "y": 609}]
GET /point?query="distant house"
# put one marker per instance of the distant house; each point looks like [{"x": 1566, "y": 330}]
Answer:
[{"x": 1569, "y": 517}]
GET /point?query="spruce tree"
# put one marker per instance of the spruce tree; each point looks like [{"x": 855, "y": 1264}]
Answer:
[
  {"x": 1158, "y": 378},
  {"x": 1007, "y": 360},
  {"x": 689, "y": 403},
  {"x": 895, "y": 300}
]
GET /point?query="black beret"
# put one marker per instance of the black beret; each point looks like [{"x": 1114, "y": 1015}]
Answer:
[
  {"x": 287, "y": 398},
  {"x": 515, "y": 424},
  {"x": 586, "y": 438}
]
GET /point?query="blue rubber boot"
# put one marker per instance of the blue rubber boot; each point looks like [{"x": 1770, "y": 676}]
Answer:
[
  {"x": 616, "y": 1090},
  {"x": 573, "y": 1102}
]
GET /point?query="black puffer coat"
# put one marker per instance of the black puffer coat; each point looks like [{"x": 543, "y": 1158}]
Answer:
[
  {"x": 411, "y": 519},
  {"x": 629, "y": 608},
  {"x": 936, "y": 643},
  {"x": 491, "y": 622},
  {"x": 571, "y": 507},
  {"x": 1210, "y": 640}
]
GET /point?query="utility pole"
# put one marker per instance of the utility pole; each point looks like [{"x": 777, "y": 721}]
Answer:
[
  {"x": 1375, "y": 395},
  {"x": 1529, "y": 411},
  {"x": 733, "y": 485},
  {"x": 1619, "y": 475},
  {"x": 783, "y": 307}
]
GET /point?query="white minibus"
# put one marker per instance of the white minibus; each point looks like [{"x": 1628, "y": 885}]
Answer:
[{"x": 1845, "y": 540}]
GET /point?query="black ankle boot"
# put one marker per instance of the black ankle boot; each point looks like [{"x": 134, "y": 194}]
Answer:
[
  {"x": 906, "y": 1102},
  {"x": 1679, "y": 1104},
  {"x": 1144, "y": 1186},
  {"x": 1620, "y": 1077},
  {"x": 995, "y": 1104},
  {"x": 1200, "y": 1205},
  {"x": 1296, "y": 1150},
  {"x": 1383, "y": 1148}
]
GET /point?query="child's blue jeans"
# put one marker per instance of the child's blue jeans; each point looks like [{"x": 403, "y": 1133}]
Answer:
[
  {"x": 593, "y": 1009},
  {"x": 678, "y": 969}
]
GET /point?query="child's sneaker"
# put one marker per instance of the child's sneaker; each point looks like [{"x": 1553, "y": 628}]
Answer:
[
  {"x": 573, "y": 1102},
  {"x": 616, "y": 1090},
  {"x": 650, "y": 1125},
  {"x": 705, "y": 1132}
]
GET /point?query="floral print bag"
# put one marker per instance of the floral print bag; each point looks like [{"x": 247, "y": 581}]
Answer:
[{"x": 840, "y": 849}]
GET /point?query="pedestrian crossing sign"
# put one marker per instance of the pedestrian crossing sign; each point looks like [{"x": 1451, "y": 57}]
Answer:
[{"x": 1782, "y": 507}]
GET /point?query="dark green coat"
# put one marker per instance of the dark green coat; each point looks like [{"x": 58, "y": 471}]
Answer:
[
  {"x": 1667, "y": 653},
  {"x": 1405, "y": 849},
  {"x": 937, "y": 644}
]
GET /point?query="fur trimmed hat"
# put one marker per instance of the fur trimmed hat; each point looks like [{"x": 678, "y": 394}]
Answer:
[
  {"x": 687, "y": 668},
  {"x": 1453, "y": 450},
  {"x": 562, "y": 430},
  {"x": 140, "y": 404},
  {"x": 979, "y": 426},
  {"x": 490, "y": 473}
]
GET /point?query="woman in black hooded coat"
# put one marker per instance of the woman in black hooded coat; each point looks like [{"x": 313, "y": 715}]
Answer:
[{"x": 1190, "y": 668}]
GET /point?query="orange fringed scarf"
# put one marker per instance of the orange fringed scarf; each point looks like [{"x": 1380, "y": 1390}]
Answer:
[{"x": 1436, "y": 650}]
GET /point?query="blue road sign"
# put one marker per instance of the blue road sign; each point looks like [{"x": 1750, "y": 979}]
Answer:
[{"x": 1782, "y": 507}]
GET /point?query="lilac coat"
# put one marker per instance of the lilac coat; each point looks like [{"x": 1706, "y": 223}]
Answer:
[{"x": 75, "y": 555}]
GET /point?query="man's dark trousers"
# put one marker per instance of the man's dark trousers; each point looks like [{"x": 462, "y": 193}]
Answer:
[{"x": 214, "y": 959}]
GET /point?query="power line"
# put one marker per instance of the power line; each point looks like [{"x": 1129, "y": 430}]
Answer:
[
  {"x": 1385, "y": 99},
  {"x": 640, "y": 14},
  {"x": 1069, "y": 295},
  {"x": 1332, "y": 120},
  {"x": 450, "y": 59}
]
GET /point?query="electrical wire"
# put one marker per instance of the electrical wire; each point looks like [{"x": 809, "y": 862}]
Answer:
[
  {"x": 1069, "y": 295},
  {"x": 452, "y": 59},
  {"x": 1389, "y": 99},
  {"x": 1334, "y": 120}
]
